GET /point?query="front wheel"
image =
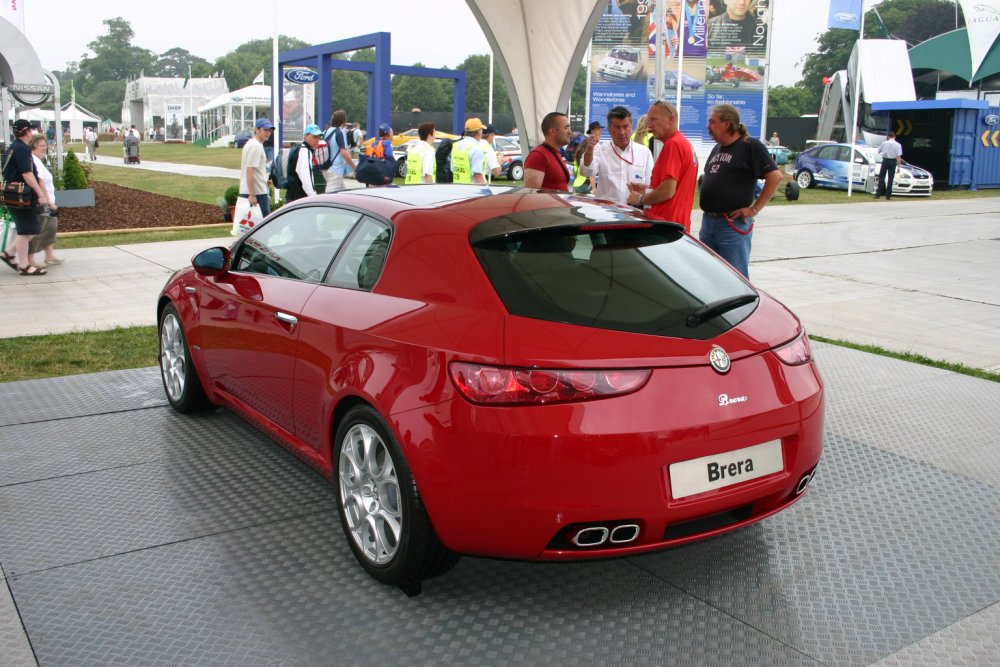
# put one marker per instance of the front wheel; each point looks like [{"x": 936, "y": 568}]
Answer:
[
  {"x": 380, "y": 508},
  {"x": 805, "y": 179},
  {"x": 516, "y": 172},
  {"x": 180, "y": 379},
  {"x": 401, "y": 168}
]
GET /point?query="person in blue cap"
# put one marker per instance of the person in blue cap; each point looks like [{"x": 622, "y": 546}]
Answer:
[
  {"x": 253, "y": 167},
  {"x": 300, "y": 179}
]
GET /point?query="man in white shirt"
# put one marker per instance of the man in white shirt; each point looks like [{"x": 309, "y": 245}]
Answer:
[
  {"x": 619, "y": 162},
  {"x": 892, "y": 155},
  {"x": 492, "y": 159},
  {"x": 253, "y": 167}
]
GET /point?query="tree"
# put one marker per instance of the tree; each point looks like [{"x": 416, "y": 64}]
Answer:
[
  {"x": 789, "y": 102},
  {"x": 914, "y": 20},
  {"x": 249, "y": 58},
  {"x": 176, "y": 61},
  {"x": 424, "y": 93},
  {"x": 100, "y": 79},
  {"x": 477, "y": 83}
]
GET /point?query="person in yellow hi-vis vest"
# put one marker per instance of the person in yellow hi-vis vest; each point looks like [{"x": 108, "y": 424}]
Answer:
[
  {"x": 421, "y": 165},
  {"x": 468, "y": 161}
]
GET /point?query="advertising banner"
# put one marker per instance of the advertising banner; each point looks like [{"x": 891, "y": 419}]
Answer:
[
  {"x": 724, "y": 60},
  {"x": 173, "y": 122},
  {"x": 297, "y": 109},
  {"x": 13, "y": 11}
]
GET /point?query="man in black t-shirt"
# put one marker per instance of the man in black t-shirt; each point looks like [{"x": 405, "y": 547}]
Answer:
[
  {"x": 19, "y": 167},
  {"x": 727, "y": 189}
]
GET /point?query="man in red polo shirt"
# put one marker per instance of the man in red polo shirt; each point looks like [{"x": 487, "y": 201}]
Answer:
[
  {"x": 670, "y": 195},
  {"x": 545, "y": 167}
]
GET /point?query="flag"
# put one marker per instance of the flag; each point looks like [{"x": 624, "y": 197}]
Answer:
[
  {"x": 846, "y": 14},
  {"x": 187, "y": 78},
  {"x": 259, "y": 79}
]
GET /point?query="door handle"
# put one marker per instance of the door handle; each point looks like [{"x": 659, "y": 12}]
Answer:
[
  {"x": 290, "y": 320},
  {"x": 191, "y": 290}
]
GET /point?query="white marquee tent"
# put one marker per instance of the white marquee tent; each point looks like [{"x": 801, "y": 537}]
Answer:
[
  {"x": 76, "y": 116},
  {"x": 235, "y": 111}
]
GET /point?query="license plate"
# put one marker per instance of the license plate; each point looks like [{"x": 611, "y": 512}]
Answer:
[{"x": 721, "y": 470}]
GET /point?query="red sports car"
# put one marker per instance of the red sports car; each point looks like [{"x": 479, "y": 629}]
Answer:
[{"x": 501, "y": 372}]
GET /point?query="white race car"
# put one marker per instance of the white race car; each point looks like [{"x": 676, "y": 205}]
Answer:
[{"x": 622, "y": 62}]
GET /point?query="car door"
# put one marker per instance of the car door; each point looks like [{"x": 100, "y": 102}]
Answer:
[
  {"x": 250, "y": 320},
  {"x": 337, "y": 350}
]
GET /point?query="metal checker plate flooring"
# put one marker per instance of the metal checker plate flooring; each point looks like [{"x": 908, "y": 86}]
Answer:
[{"x": 133, "y": 535}]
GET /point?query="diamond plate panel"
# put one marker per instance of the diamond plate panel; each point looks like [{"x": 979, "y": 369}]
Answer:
[
  {"x": 882, "y": 552},
  {"x": 290, "y": 593},
  {"x": 15, "y": 651},
  {"x": 973, "y": 642},
  {"x": 233, "y": 478},
  {"x": 933, "y": 416},
  {"x": 77, "y": 395}
]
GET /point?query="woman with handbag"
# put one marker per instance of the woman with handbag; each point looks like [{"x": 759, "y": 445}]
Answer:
[
  {"x": 18, "y": 169},
  {"x": 46, "y": 238}
]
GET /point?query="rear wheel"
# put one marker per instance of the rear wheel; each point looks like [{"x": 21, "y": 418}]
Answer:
[
  {"x": 791, "y": 191},
  {"x": 805, "y": 179},
  {"x": 180, "y": 380},
  {"x": 401, "y": 168},
  {"x": 380, "y": 508},
  {"x": 516, "y": 172}
]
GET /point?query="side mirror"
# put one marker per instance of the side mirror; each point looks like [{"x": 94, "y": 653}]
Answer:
[{"x": 212, "y": 262}]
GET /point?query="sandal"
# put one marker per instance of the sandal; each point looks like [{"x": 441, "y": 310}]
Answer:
[
  {"x": 9, "y": 260},
  {"x": 31, "y": 271}
]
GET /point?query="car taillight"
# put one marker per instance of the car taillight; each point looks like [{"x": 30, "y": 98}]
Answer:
[
  {"x": 501, "y": 385},
  {"x": 797, "y": 352}
]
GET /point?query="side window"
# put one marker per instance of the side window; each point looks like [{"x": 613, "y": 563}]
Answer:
[
  {"x": 360, "y": 262},
  {"x": 299, "y": 244}
]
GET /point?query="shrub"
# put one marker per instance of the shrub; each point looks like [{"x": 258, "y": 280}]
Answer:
[
  {"x": 73, "y": 175},
  {"x": 232, "y": 194}
]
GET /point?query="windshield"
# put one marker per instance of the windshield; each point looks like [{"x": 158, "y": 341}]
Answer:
[{"x": 648, "y": 279}]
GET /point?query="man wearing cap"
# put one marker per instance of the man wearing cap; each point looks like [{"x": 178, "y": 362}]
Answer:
[
  {"x": 468, "y": 161},
  {"x": 490, "y": 152},
  {"x": 253, "y": 167},
  {"x": 619, "y": 162},
  {"x": 300, "y": 180},
  {"x": 379, "y": 148},
  {"x": 544, "y": 166}
]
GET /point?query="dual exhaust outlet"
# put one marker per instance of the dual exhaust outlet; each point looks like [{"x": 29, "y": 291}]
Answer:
[
  {"x": 594, "y": 536},
  {"x": 805, "y": 482}
]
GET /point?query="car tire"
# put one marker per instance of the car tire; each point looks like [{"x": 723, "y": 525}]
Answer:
[
  {"x": 380, "y": 509},
  {"x": 791, "y": 191},
  {"x": 516, "y": 172},
  {"x": 401, "y": 168},
  {"x": 180, "y": 379},
  {"x": 736, "y": 83},
  {"x": 805, "y": 179}
]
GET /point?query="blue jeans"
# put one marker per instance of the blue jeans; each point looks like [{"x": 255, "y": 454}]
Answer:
[{"x": 734, "y": 247}]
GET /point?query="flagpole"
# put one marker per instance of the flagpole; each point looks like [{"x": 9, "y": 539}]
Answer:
[
  {"x": 276, "y": 119},
  {"x": 681, "y": 21},
  {"x": 857, "y": 102},
  {"x": 190, "y": 105}
]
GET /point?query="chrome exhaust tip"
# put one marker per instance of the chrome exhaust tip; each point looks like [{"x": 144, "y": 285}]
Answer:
[
  {"x": 624, "y": 533},
  {"x": 590, "y": 537},
  {"x": 805, "y": 482}
]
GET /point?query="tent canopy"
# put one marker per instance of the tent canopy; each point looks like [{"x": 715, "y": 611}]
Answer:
[
  {"x": 254, "y": 94},
  {"x": 950, "y": 53},
  {"x": 539, "y": 46}
]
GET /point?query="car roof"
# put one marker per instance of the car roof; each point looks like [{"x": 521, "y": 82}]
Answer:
[{"x": 469, "y": 205}]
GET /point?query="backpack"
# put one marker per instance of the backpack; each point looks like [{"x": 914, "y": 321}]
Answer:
[
  {"x": 352, "y": 139},
  {"x": 442, "y": 156},
  {"x": 279, "y": 166},
  {"x": 326, "y": 151}
]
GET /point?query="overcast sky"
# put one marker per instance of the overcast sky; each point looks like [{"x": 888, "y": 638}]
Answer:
[{"x": 433, "y": 32}]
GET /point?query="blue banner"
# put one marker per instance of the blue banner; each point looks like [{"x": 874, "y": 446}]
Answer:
[{"x": 846, "y": 14}]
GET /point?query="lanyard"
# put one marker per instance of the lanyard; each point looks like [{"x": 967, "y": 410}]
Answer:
[{"x": 621, "y": 156}]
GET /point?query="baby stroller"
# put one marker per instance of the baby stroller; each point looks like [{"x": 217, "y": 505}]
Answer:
[{"x": 131, "y": 149}]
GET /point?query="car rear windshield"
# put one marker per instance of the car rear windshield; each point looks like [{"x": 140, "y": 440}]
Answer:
[{"x": 636, "y": 277}]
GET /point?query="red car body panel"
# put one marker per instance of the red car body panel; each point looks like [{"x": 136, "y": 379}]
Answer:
[{"x": 501, "y": 480}]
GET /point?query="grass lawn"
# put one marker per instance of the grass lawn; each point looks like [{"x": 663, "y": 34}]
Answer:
[
  {"x": 34, "y": 357},
  {"x": 193, "y": 188},
  {"x": 182, "y": 153}
]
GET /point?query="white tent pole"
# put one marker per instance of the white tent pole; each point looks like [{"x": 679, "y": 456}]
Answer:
[
  {"x": 275, "y": 94},
  {"x": 489, "y": 116},
  {"x": 857, "y": 102},
  {"x": 660, "y": 49},
  {"x": 681, "y": 20}
]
